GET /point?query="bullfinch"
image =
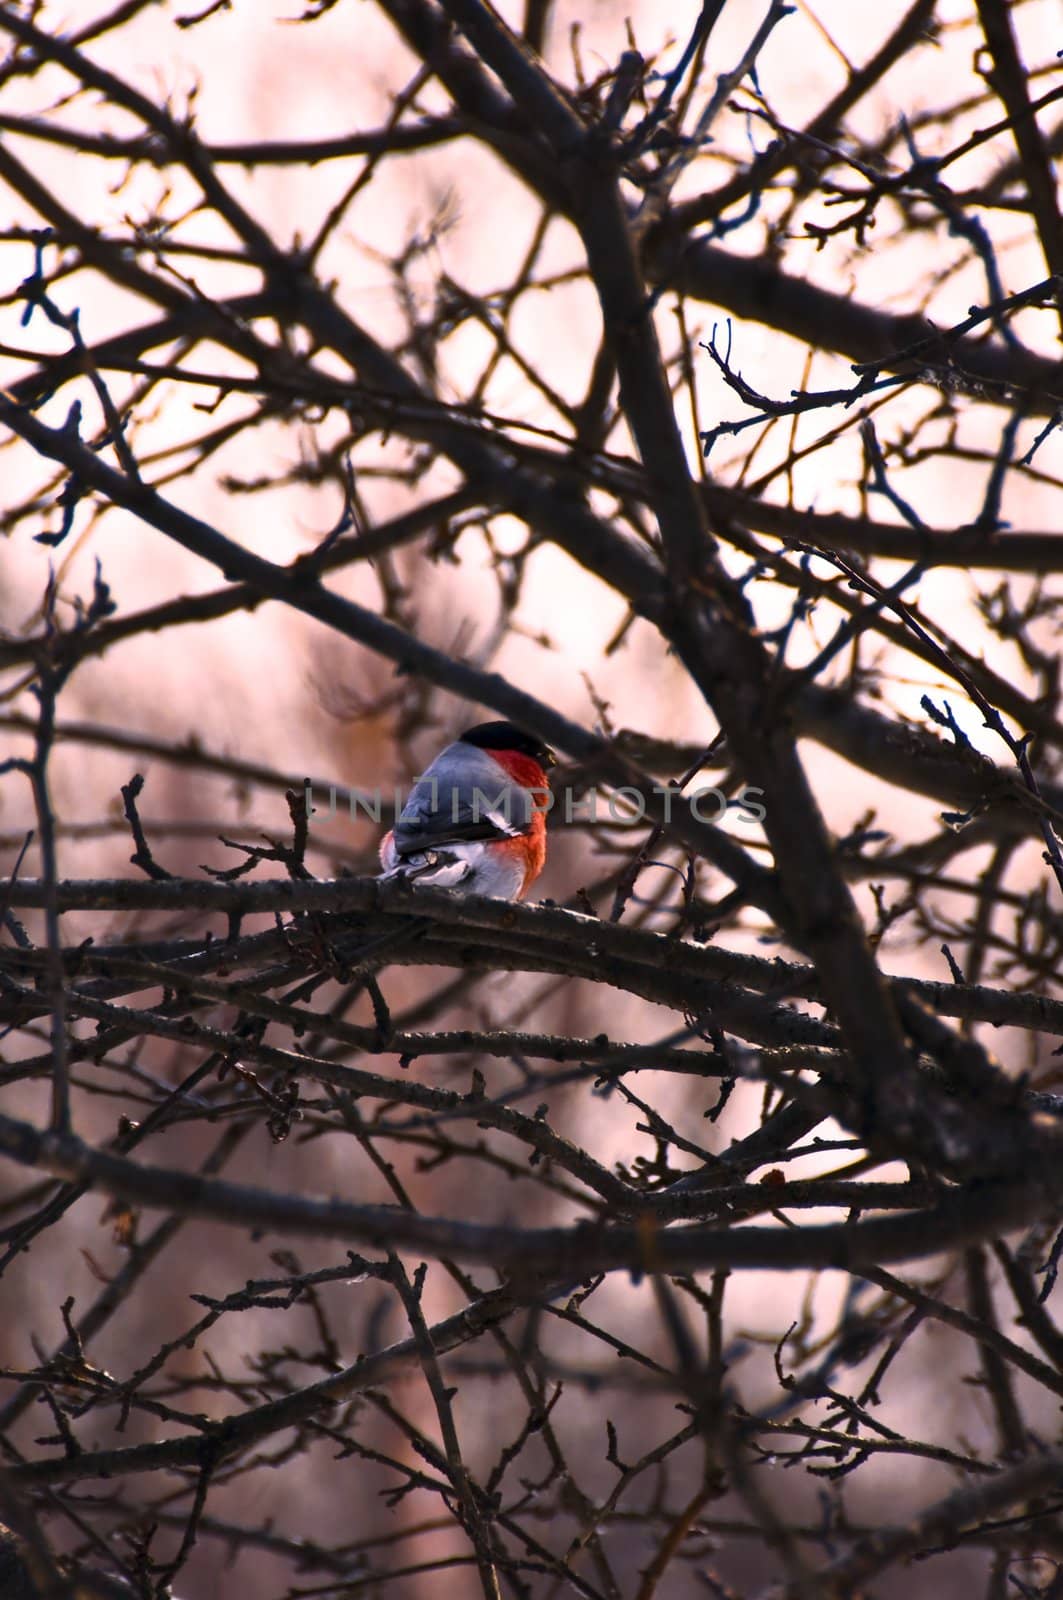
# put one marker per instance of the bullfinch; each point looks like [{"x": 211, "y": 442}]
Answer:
[{"x": 476, "y": 818}]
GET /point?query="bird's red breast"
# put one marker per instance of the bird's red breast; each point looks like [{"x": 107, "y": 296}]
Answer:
[{"x": 527, "y": 848}]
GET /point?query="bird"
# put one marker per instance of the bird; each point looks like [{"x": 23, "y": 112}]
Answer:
[{"x": 475, "y": 819}]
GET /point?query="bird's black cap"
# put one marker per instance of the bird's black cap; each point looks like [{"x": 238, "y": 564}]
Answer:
[{"x": 507, "y": 736}]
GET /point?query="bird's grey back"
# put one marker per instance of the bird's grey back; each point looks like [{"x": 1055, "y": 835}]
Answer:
[{"x": 464, "y": 794}]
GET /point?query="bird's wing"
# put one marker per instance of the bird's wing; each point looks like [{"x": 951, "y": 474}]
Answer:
[{"x": 464, "y": 794}]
